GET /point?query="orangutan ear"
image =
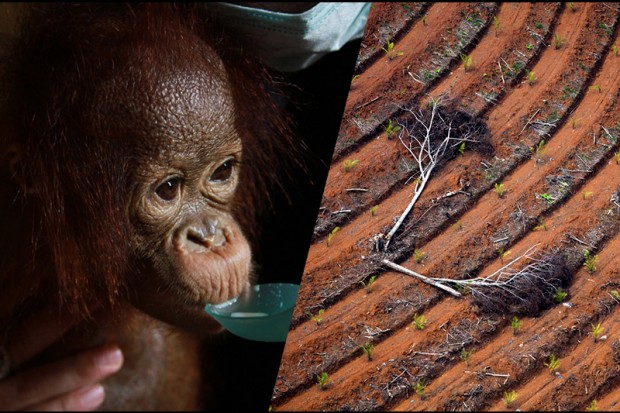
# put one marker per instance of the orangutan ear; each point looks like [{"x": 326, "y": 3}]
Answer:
[{"x": 14, "y": 155}]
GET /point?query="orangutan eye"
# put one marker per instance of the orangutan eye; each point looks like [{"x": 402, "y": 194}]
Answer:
[
  {"x": 223, "y": 172},
  {"x": 169, "y": 189}
]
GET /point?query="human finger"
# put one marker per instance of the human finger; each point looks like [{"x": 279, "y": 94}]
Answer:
[
  {"x": 85, "y": 399},
  {"x": 34, "y": 386}
]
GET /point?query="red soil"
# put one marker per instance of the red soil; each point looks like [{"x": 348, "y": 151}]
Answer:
[{"x": 460, "y": 223}]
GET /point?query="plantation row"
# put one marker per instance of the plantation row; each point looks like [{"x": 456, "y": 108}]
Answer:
[{"x": 383, "y": 340}]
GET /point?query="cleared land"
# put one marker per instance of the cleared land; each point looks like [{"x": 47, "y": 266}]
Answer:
[{"x": 542, "y": 85}]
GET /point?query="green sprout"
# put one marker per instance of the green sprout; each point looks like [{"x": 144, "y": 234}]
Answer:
[
  {"x": 615, "y": 49},
  {"x": 390, "y": 47},
  {"x": 349, "y": 163},
  {"x": 571, "y": 6},
  {"x": 458, "y": 225},
  {"x": 615, "y": 294},
  {"x": 586, "y": 194},
  {"x": 463, "y": 289},
  {"x": 516, "y": 324},
  {"x": 390, "y": 129},
  {"x": 371, "y": 281},
  {"x": 462, "y": 148},
  {"x": 539, "y": 148},
  {"x": 590, "y": 261},
  {"x": 592, "y": 407},
  {"x": 368, "y": 348},
  {"x": 500, "y": 189},
  {"x": 547, "y": 198},
  {"x": 373, "y": 210},
  {"x": 503, "y": 254},
  {"x": 510, "y": 397},
  {"x": 573, "y": 123},
  {"x": 595, "y": 88},
  {"x": 419, "y": 387},
  {"x": 419, "y": 321},
  {"x": 318, "y": 317},
  {"x": 553, "y": 364},
  {"x": 322, "y": 380},
  {"x": 418, "y": 255},
  {"x": 541, "y": 225},
  {"x": 530, "y": 46},
  {"x": 424, "y": 19},
  {"x": 389, "y": 51},
  {"x": 496, "y": 25},
  {"x": 432, "y": 101},
  {"x": 466, "y": 355},
  {"x": 597, "y": 330},
  {"x": 558, "y": 41},
  {"x": 531, "y": 77},
  {"x": 559, "y": 295},
  {"x": 617, "y": 158},
  {"x": 331, "y": 235},
  {"x": 467, "y": 61},
  {"x": 608, "y": 29}
]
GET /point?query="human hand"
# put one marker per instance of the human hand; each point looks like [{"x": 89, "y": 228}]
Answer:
[{"x": 70, "y": 384}]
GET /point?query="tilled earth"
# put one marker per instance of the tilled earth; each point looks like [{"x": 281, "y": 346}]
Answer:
[{"x": 542, "y": 82}]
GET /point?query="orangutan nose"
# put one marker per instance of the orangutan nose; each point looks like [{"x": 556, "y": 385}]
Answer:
[{"x": 199, "y": 235}]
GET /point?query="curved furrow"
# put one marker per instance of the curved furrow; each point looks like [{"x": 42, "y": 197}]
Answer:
[
  {"x": 436, "y": 216},
  {"x": 503, "y": 56},
  {"x": 334, "y": 320},
  {"x": 383, "y": 157},
  {"x": 384, "y": 26},
  {"x": 428, "y": 51},
  {"x": 426, "y": 354},
  {"x": 376, "y": 300},
  {"x": 607, "y": 397},
  {"x": 515, "y": 132},
  {"x": 584, "y": 370},
  {"x": 562, "y": 330}
]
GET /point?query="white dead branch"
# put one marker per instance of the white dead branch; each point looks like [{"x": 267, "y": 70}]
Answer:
[
  {"x": 507, "y": 279},
  {"x": 427, "y": 150}
]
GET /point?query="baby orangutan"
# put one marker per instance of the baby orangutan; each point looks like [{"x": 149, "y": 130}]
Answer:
[{"x": 139, "y": 147}]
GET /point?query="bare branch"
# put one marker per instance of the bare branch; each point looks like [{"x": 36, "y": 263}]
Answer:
[
  {"x": 429, "y": 140},
  {"x": 529, "y": 120},
  {"x": 368, "y": 103},
  {"x": 507, "y": 290},
  {"x": 421, "y": 277}
]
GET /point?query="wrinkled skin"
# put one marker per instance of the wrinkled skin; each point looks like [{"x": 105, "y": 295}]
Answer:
[{"x": 183, "y": 185}]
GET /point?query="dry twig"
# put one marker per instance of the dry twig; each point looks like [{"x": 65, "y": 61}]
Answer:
[{"x": 430, "y": 140}]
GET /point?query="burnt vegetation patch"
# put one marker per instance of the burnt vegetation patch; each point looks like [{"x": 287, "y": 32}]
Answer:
[
  {"x": 439, "y": 120},
  {"x": 526, "y": 292},
  {"x": 433, "y": 135}
]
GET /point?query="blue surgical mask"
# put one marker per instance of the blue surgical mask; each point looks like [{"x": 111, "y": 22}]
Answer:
[{"x": 292, "y": 42}]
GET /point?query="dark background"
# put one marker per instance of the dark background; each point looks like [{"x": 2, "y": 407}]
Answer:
[{"x": 244, "y": 371}]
